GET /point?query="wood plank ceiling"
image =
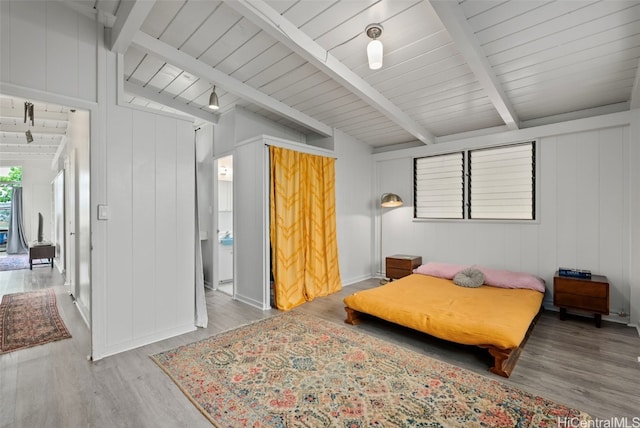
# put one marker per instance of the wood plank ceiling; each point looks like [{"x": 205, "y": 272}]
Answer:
[
  {"x": 449, "y": 67},
  {"x": 48, "y": 130}
]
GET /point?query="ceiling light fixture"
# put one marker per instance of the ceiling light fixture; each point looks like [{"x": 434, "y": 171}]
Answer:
[
  {"x": 29, "y": 136},
  {"x": 213, "y": 100},
  {"x": 374, "y": 48}
]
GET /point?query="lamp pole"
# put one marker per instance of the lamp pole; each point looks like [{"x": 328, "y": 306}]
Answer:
[{"x": 387, "y": 200}]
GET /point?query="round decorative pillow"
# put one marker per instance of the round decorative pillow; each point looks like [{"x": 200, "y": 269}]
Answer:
[{"x": 469, "y": 277}]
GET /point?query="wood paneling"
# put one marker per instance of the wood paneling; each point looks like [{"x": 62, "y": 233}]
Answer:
[
  {"x": 119, "y": 287},
  {"x": 150, "y": 176},
  {"x": 49, "y": 47},
  {"x": 582, "y": 222},
  {"x": 145, "y": 241}
]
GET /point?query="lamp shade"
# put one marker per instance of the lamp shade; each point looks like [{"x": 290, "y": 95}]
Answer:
[
  {"x": 374, "y": 54},
  {"x": 213, "y": 100},
  {"x": 389, "y": 200}
]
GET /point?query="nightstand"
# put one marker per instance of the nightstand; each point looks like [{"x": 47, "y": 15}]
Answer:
[
  {"x": 587, "y": 294},
  {"x": 37, "y": 252},
  {"x": 400, "y": 265}
]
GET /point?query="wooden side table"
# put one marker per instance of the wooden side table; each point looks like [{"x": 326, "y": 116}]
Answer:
[
  {"x": 41, "y": 252},
  {"x": 587, "y": 294},
  {"x": 400, "y": 265}
]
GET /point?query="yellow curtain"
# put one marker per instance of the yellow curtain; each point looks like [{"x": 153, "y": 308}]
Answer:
[{"x": 303, "y": 227}]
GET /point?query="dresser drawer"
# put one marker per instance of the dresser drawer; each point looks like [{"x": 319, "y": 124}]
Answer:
[
  {"x": 581, "y": 288},
  {"x": 401, "y": 265},
  {"x": 586, "y": 303},
  {"x": 586, "y": 294}
]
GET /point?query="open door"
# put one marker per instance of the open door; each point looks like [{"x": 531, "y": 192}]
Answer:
[
  {"x": 224, "y": 239},
  {"x": 70, "y": 217}
]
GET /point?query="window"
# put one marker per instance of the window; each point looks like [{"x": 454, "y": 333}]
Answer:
[
  {"x": 499, "y": 183},
  {"x": 502, "y": 182},
  {"x": 439, "y": 186}
]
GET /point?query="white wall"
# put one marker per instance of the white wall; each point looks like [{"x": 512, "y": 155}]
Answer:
[
  {"x": 78, "y": 137},
  {"x": 583, "y": 214},
  {"x": 47, "y": 46},
  {"x": 354, "y": 208},
  {"x": 239, "y": 125},
  {"x": 149, "y": 287},
  {"x": 634, "y": 210},
  {"x": 204, "y": 166}
]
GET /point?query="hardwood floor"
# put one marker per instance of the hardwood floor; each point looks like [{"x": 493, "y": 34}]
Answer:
[{"x": 54, "y": 385}]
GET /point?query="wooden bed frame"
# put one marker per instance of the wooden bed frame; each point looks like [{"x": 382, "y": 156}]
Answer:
[{"x": 504, "y": 359}]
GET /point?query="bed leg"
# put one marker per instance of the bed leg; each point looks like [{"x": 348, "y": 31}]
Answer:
[
  {"x": 504, "y": 360},
  {"x": 353, "y": 316}
]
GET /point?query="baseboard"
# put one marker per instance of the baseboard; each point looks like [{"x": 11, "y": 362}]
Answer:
[
  {"x": 142, "y": 341},
  {"x": 58, "y": 266},
  {"x": 615, "y": 319},
  {"x": 357, "y": 279},
  {"x": 251, "y": 302},
  {"x": 84, "y": 312}
]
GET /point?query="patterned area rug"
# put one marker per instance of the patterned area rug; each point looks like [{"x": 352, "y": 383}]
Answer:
[
  {"x": 296, "y": 370},
  {"x": 14, "y": 262},
  {"x": 30, "y": 319}
]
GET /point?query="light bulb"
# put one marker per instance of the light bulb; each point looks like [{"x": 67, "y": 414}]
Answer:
[{"x": 374, "y": 53}]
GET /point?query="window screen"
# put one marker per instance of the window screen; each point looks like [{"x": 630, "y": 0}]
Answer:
[
  {"x": 439, "y": 186},
  {"x": 502, "y": 182}
]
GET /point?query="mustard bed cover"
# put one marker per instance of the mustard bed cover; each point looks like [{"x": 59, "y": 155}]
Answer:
[{"x": 484, "y": 315}]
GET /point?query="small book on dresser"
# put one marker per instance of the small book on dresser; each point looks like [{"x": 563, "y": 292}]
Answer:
[{"x": 574, "y": 273}]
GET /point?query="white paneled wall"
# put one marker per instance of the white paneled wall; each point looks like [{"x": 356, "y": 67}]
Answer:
[
  {"x": 149, "y": 287},
  {"x": 354, "y": 207},
  {"x": 583, "y": 216},
  {"x": 47, "y": 46}
]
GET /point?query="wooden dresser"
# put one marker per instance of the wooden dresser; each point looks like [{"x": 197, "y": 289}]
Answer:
[
  {"x": 400, "y": 265},
  {"x": 590, "y": 295}
]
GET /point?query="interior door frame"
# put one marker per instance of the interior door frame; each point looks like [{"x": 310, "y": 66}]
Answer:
[
  {"x": 215, "y": 250},
  {"x": 94, "y": 127}
]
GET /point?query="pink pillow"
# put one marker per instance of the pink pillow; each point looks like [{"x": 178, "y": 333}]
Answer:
[
  {"x": 509, "y": 279},
  {"x": 440, "y": 270}
]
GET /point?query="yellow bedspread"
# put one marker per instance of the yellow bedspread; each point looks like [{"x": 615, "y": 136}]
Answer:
[{"x": 472, "y": 316}]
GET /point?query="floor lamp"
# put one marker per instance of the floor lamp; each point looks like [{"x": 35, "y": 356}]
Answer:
[{"x": 387, "y": 200}]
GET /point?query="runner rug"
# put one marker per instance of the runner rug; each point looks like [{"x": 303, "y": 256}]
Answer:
[
  {"x": 296, "y": 370},
  {"x": 14, "y": 262},
  {"x": 30, "y": 319}
]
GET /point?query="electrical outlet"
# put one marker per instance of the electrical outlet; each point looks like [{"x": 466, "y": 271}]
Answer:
[{"x": 623, "y": 314}]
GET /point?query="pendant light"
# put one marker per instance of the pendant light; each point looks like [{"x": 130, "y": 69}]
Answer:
[
  {"x": 213, "y": 100},
  {"x": 374, "y": 48}
]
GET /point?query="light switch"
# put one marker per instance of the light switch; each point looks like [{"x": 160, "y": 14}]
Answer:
[{"x": 103, "y": 212}]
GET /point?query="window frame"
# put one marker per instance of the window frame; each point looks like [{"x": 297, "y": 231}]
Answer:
[{"x": 466, "y": 199}]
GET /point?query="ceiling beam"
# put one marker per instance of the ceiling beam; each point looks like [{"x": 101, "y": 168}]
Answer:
[
  {"x": 129, "y": 18},
  {"x": 278, "y": 27},
  {"x": 23, "y": 156},
  {"x": 635, "y": 91},
  {"x": 191, "y": 65},
  {"x": 153, "y": 95},
  {"x": 467, "y": 43},
  {"x": 18, "y": 113},
  {"x": 21, "y": 140},
  {"x": 41, "y": 130}
]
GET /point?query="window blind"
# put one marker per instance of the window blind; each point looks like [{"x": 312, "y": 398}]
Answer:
[
  {"x": 439, "y": 186},
  {"x": 502, "y": 182}
]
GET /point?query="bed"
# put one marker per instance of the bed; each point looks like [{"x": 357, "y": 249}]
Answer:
[{"x": 497, "y": 317}]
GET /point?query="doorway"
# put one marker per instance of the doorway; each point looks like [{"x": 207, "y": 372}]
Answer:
[
  {"x": 52, "y": 141},
  {"x": 224, "y": 227}
]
